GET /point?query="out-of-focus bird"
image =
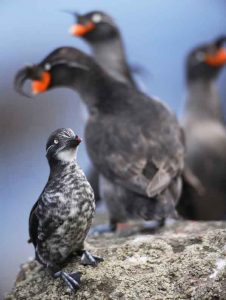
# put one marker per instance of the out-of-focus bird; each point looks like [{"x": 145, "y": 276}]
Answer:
[
  {"x": 205, "y": 133},
  {"x": 134, "y": 141},
  {"x": 60, "y": 219},
  {"x": 104, "y": 37},
  {"x": 101, "y": 32}
]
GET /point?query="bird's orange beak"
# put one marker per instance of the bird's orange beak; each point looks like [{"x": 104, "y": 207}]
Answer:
[
  {"x": 80, "y": 29},
  {"x": 218, "y": 59},
  {"x": 40, "y": 86}
]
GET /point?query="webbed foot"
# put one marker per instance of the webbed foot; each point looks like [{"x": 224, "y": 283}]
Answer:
[
  {"x": 71, "y": 279},
  {"x": 88, "y": 259}
]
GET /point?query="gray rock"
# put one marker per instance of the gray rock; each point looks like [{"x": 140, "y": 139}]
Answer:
[{"x": 184, "y": 261}]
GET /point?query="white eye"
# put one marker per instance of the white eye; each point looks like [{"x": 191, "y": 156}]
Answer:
[
  {"x": 200, "y": 56},
  {"x": 47, "y": 67},
  {"x": 96, "y": 18},
  {"x": 56, "y": 141}
]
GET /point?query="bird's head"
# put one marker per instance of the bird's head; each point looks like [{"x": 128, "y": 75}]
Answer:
[
  {"x": 62, "y": 145},
  {"x": 205, "y": 61},
  {"x": 94, "y": 27},
  {"x": 58, "y": 69}
]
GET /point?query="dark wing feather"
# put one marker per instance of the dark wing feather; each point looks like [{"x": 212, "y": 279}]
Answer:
[
  {"x": 43, "y": 220},
  {"x": 33, "y": 225},
  {"x": 141, "y": 149},
  {"x": 50, "y": 216},
  {"x": 34, "y": 222}
]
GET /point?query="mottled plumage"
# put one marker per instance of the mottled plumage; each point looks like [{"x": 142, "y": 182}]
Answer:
[
  {"x": 60, "y": 219},
  {"x": 205, "y": 134},
  {"x": 133, "y": 140}
]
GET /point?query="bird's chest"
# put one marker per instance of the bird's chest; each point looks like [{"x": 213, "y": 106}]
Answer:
[
  {"x": 69, "y": 197},
  {"x": 76, "y": 201},
  {"x": 112, "y": 134},
  {"x": 95, "y": 134},
  {"x": 74, "y": 212}
]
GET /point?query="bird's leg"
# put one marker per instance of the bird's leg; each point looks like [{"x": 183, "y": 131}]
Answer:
[
  {"x": 72, "y": 280},
  {"x": 103, "y": 228},
  {"x": 88, "y": 259}
]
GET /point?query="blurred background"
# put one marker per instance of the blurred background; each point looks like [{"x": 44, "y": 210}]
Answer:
[{"x": 157, "y": 34}]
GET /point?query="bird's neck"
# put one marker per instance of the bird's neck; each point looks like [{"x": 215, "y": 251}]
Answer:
[
  {"x": 63, "y": 175},
  {"x": 60, "y": 168},
  {"x": 111, "y": 57},
  {"x": 203, "y": 101},
  {"x": 97, "y": 90}
]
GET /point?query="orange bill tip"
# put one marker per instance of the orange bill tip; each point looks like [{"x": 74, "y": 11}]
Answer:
[
  {"x": 40, "y": 86},
  {"x": 217, "y": 59},
  {"x": 80, "y": 30}
]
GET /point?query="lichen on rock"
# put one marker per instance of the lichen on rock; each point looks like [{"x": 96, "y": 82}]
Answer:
[{"x": 185, "y": 261}]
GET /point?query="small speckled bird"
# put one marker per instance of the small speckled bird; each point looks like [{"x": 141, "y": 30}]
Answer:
[
  {"x": 205, "y": 133},
  {"x": 134, "y": 141},
  {"x": 103, "y": 35},
  {"x": 61, "y": 218}
]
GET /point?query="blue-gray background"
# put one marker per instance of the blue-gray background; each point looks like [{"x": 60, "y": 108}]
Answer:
[{"x": 157, "y": 34}]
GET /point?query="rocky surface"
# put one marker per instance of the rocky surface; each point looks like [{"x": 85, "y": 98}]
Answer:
[{"x": 185, "y": 261}]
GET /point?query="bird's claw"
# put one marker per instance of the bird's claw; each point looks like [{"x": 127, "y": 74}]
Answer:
[
  {"x": 71, "y": 279},
  {"x": 88, "y": 259}
]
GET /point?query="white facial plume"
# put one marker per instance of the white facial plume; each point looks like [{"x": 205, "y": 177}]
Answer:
[{"x": 67, "y": 155}]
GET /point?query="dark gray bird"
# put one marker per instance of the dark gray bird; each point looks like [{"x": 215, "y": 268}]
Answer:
[
  {"x": 61, "y": 218},
  {"x": 100, "y": 31},
  {"x": 104, "y": 37},
  {"x": 205, "y": 133},
  {"x": 102, "y": 34},
  {"x": 134, "y": 141}
]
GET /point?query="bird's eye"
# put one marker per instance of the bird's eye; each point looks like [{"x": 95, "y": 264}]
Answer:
[
  {"x": 47, "y": 67},
  {"x": 96, "y": 18},
  {"x": 56, "y": 141},
  {"x": 200, "y": 56}
]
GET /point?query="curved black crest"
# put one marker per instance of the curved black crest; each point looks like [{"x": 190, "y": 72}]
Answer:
[{"x": 29, "y": 72}]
